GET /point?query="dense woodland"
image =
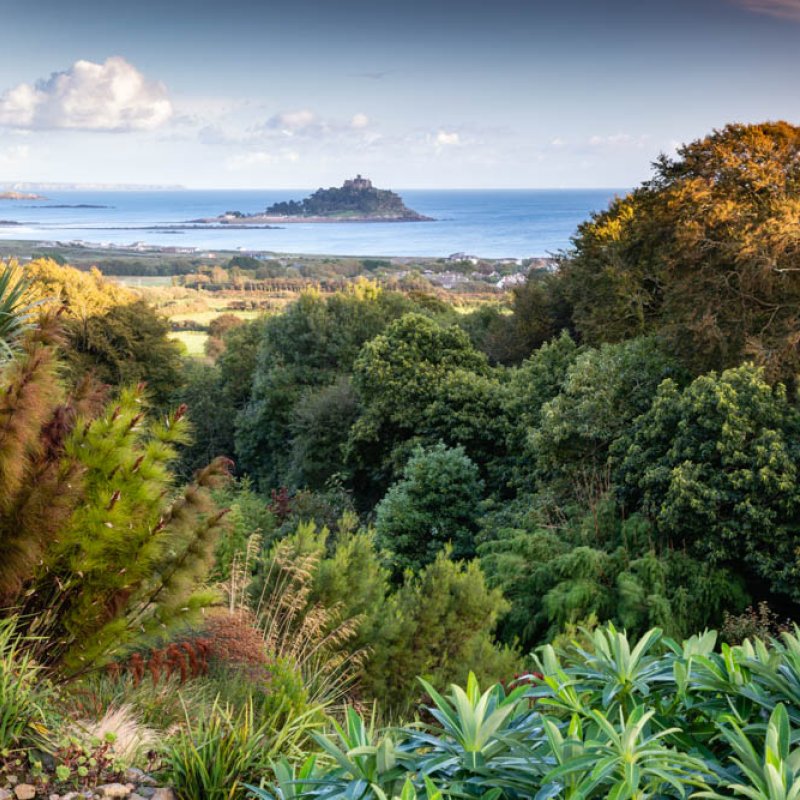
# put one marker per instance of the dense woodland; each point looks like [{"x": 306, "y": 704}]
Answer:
[{"x": 371, "y": 487}]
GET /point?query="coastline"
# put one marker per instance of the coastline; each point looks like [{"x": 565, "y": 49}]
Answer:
[{"x": 264, "y": 219}]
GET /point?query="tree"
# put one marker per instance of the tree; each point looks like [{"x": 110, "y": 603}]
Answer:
[
  {"x": 81, "y": 294},
  {"x": 437, "y": 502},
  {"x": 705, "y": 253},
  {"x": 307, "y": 347},
  {"x": 604, "y": 390},
  {"x": 398, "y": 375},
  {"x": 127, "y": 344},
  {"x": 320, "y": 424},
  {"x": 438, "y": 624},
  {"x": 606, "y": 568},
  {"x": 715, "y": 466}
]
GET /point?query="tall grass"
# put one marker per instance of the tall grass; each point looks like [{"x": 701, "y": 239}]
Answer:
[{"x": 24, "y": 693}]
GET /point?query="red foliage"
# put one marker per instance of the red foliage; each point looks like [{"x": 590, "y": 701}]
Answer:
[{"x": 281, "y": 504}]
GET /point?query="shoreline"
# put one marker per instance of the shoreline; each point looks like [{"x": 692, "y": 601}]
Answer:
[{"x": 272, "y": 219}]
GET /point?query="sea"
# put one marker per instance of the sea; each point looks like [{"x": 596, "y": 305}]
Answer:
[{"x": 483, "y": 223}]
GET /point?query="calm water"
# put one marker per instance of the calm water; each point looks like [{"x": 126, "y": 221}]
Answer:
[{"x": 492, "y": 224}]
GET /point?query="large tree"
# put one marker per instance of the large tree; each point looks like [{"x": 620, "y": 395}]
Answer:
[{"x": 707, "y": 253}]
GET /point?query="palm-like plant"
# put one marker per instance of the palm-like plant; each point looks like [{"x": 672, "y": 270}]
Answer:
[
  {"x": 771, "y": 775},
  {"x": 471, "y": 721},
  {"x": 16, "y": 314},
  {"x": 625, "y": 762},
  {"x": 365, "y": 767}
]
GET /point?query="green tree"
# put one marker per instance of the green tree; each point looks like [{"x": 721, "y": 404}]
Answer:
[
  {"x": 715, "y": 466},
  {"x": 604, "y": 390},
  {"x": 398, "y": 375},
  {"x": 439, "y": 625},
  {"x": 125, "y": 345},
  {"x": 437, "y": 501},
  {"x": 309, "y": 346}
]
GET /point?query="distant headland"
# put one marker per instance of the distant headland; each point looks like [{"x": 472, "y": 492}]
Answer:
[
  {"x": 356, "y": 200},
  {"x": 20, "y": 196}
]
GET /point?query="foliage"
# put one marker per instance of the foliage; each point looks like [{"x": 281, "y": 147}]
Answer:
[
  {"x": 436, "y": 502},
  {"x": 126, "y": 345},
  {"x": 608, "y": 567},
  {"x": 214, "y": 757},
  {"x": 398, "y": 375},
  {"x": 604, "y": 390},
  {"x": 24, "y": 693},
  {"x": 438, "y": 624},
  {"x": 16, "y": 314},
  {"x": 96, "y": 541},
  {"x": 81, "y": 294},
  {"x": 304, "y": 349},
  {"x": 715, "y": 466},
  {"x": 620, "y": 719},
  {"x": 704, "y": 253}
]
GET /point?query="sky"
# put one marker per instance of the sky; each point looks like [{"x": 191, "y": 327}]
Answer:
[{"x": 412, "y": 93}]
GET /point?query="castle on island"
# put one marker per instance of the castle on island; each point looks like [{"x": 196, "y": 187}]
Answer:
[{"x": 358, "y": 183}]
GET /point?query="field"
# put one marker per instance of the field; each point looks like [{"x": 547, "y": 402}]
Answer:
[{"x": 193, "y": 341}]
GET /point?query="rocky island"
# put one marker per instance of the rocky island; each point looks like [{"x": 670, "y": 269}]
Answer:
[
  {"x": 357, "y": 200},
  {"x": 20, "y": 196}
]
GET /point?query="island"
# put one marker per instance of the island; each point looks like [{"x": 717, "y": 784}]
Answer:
[
  {"x": 357, "y": 200},
  {"x": 20, "y": 196}
]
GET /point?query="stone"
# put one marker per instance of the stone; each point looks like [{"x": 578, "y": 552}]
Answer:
[
  {"x": 163, "y": 794},
  {"x": 5, "y": 794},
  {"x": 24, "y": 791},
  {"x": 114, "y": 790},
  {"x": 139, "y": 777},
  {"x": 146, "y": 791}
]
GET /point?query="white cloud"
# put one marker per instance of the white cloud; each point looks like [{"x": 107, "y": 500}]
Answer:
[
  {"x": 112, "y": 96},
  {"x": 291, "y": 122},
  {"x": 446, "y": 139},
  {"x": 259, "y": 158},
  {"x": 619, "y": 140},
  {"x": 359, "y": 121},
  {"x": 12, "y": 156},
  {"x": 783, "y": 9}
]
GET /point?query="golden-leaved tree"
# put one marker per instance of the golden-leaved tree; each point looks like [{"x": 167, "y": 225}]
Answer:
[{"x": 707, "y": 253}]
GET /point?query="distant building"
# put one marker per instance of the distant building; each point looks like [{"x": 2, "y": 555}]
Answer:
[
  {"x": 358, "y": 183},
  {"x": 516, "y": 279}
]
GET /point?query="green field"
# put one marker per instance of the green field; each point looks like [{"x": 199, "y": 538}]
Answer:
[
  {"x": 205, "y": 317},
  {"x": 193, "y": 341}
]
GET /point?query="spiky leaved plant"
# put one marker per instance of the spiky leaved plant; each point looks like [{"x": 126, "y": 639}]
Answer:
[{"x": 97, "y": 542}]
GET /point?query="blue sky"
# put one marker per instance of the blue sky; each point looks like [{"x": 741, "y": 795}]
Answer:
[{"x": 500, "y": 93}]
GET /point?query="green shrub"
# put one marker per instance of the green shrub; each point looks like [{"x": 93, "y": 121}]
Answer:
[
  {"x": 214, "y": 757},
  {"x": 606, "y": 718},
  {"x": 24, "y": 694}
]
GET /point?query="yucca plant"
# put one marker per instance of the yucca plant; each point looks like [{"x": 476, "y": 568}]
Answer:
[
  {"x": 290, "y": 781},
  {"x": 16, "y": 313},
  {"x": 473, "y": 722}
]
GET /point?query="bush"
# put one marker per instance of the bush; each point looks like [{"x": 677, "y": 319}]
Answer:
[
  {"x": 214, "y": 757},
  {"x": 618, "y": 718},
  {"x": 437, "y": 502},
  {"x": 24, "y": 694}
]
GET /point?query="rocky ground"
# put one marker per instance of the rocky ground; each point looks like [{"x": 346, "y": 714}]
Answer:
[{"x": 134, "y": 785}]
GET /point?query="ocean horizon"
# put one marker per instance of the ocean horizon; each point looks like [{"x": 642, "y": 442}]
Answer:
[{"x": 488, "y": 223}]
